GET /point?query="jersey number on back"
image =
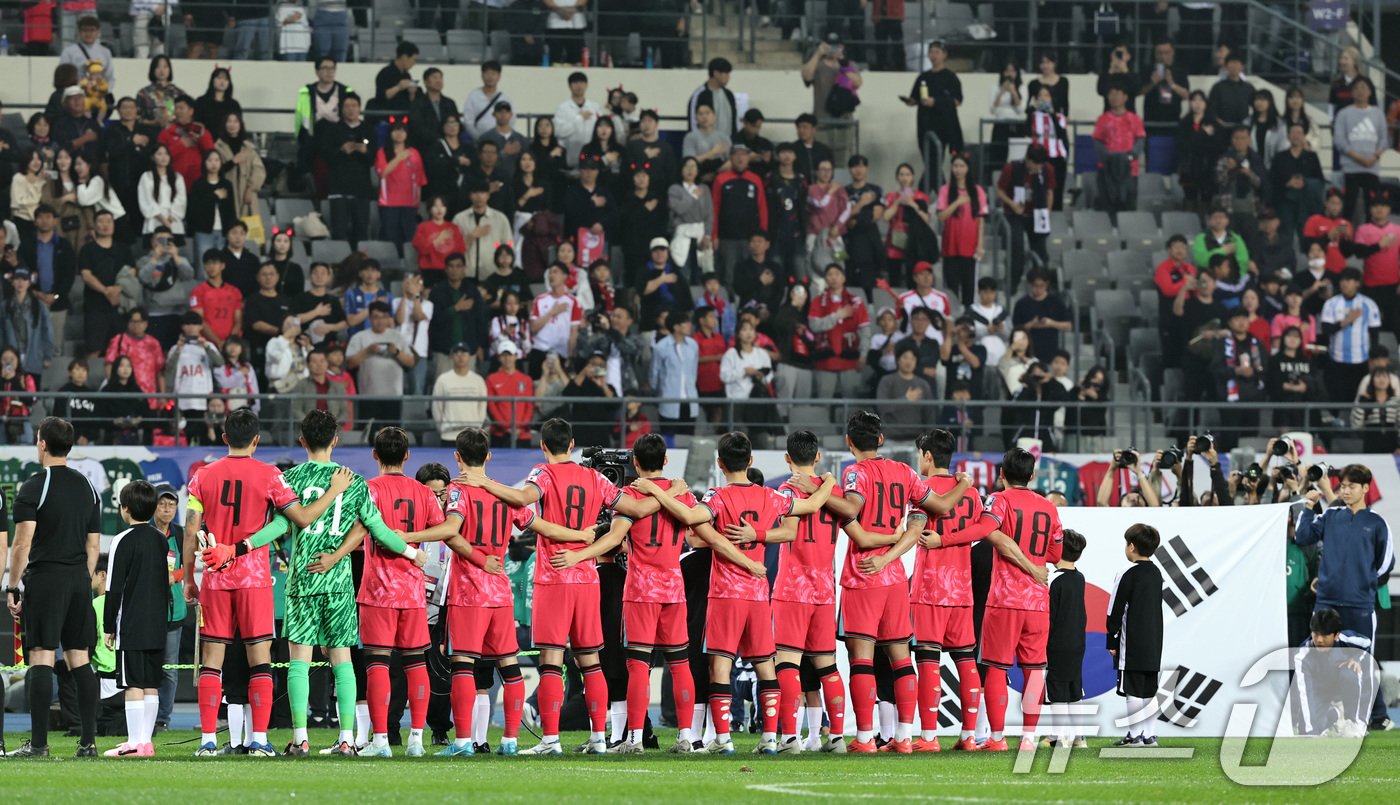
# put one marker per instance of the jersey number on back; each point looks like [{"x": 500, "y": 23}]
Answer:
[
  {"x": 231, "y": 496},
  {"x": 574, "y": 497},
  {"x": 500, "y": 517},
  {"x": 654, "y": 539},
  {"x": 313, "y": 494},
  {"x": 962, "y": 511},
  {"x": 829, "y": 523},
  {"x": 405, "y": 507},
  {"x": 891, "y": 498},
  {"x": 1038, "y": 538}
]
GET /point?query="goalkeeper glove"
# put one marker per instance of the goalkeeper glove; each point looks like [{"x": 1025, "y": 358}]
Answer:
[{"x": 218, "y": 556}]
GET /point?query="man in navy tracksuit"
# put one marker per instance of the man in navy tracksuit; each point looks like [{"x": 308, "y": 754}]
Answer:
[
  {"x": 1357, "y": 554},
  {"x": 741, "y": 209}
]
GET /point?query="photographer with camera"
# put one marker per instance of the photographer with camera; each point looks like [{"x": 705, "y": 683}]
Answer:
[
  {"x": 1220, "y": 493},
  {"x": 167, "y": 279},
  {"x": 593, "y": 421},
  {"x": 1121, "y": 479},
  {"x": 1045, "y": 396}
]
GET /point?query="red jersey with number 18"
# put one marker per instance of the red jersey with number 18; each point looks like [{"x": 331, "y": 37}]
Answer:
[
  {"x": 737, "y": 504},
  {"x": 654, "y": 558},
  {"x": 805, "y": 565},
  {"x": 943, "y": 576},
  {"x": 390, "y": 580},
  {"x": 486, "y": 524},
  {"x": 885, "y": 490},
  {"x": 238, "y": 495},
  {"x": 1034, "y": 524},
  {"x": 571, "y": 496}
]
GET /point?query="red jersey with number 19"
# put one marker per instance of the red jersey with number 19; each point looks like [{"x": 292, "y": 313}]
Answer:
[
  {"x": 238, "y": 495},
  {"x": 737, "y": 504},
  {"x": 486, "y": 524},
  {"x": 390, "y": 580},
  {"x": 885, "y": 490},
  {"x": 805, "y": 565},
  {"x": 571, "y": 496},
  {"x": 1034, "y": 524},
  {"x": 654, "y": 558},
  {"x": 943, "y": 576}
]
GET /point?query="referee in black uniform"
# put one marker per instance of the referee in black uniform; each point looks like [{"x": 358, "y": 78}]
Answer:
[{"x": 57, "y": 518}]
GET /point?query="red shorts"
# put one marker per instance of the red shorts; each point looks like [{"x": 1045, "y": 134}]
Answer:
[
  {"x": 487, "y": 632},
  {"x": 1021, "y": 633},
  {"x": 388, "y": 628},
  {"x": 804, "y": 628},
  {"x": 648, "y": 625},
  {"x": 246, "y": 612},
  {"x": 735, "y": 629},
  {"x": 876, "y": 613},
  {"x": 947, "y": 628},
  {"x": 568, "y": 615}
]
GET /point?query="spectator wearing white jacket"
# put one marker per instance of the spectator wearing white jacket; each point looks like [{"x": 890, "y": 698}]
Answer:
[
  {"x": 161, "y": 194},
  {"x": 743, "y": 364},
  {"x": 575, "y": 117},
  {"x": 286, "y": 356},
  {"x": 450, "y": 412}
]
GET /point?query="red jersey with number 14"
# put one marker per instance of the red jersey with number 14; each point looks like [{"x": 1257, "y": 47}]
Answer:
[
  {"x": 805, "y": 565},
  {"x": 654, "y": 559},
  {"x": 487, "y": 522},
  {"x": 943, "y": 576},
  {"x": 737, "y": 504},
  {"x": 239, "y": 494},
  {"x": 571, "y": 496},
  {"x": 1034, "y": 524},
  {"x": 885, "y": 490},
  {"x": 390, "y": 580}
]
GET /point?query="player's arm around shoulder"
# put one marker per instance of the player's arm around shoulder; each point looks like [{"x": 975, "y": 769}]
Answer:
[
  {"x": 303, "y": 515},
  {"x": 612, "y": 539},
  {"x": 519, "y": 498},
  {"x": 874, "y": 563},
  {"x": 1011, "y": 552},
  {"x": 668, "y": 499},
  {"x": 937, "y": 504},
  {"x": 727, "y": 551},
  {"x": 323, "y": 562},
  {"x": 818, "y": 499},
  {"x": 865, "y": 540}
]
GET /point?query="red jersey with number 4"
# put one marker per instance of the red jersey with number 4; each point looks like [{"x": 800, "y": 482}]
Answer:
[
  {"x": 487, "y": 523},
  {"x": 805, "y": 565},
  {"x": 239, "y": 495},
  {"x": 1034, "y": 524},
  {"x": 885, "y": 490},
  {"x": 736, "y": 504},
  {"x": 571, "y": 496},
  {"x": 390, "y": 580},
  {"x": 943, "y": 576},
  {"x": 654, "y": 559}
]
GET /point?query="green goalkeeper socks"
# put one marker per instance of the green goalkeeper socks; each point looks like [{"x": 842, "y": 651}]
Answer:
[
  {"x": 299, "y": 691},
  {"x": 345, "y": 694}
]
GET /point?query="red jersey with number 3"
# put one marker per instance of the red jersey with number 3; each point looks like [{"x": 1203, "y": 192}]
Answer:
[
  {"x": 390, "y": 580},
  {"x": 736, "y": 504},
  {"x": 487, "y": 523},
  {"x": 943, "y": 576},
  {"x": 239, "y": 495},
  {"x": 885, "y": 490},
  {"x": 654, "y": 559},
  {"x": 1034, "y": 524},
  {"x": 571, "y": 496},
  {"x": 805, "y": 565}
]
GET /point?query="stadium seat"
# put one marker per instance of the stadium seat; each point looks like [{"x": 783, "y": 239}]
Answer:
[
  {"x": 330, "y": 251},
  {"x": 385, "y": 252},
  {"x": 500, "y": 46},
  {"x": 429, "y": 42},
  {"x": 1126, "y": 263},
  {"x": 466, "y": 46},
  {"x": 410, "y": 257},
  {"x": 1117, "y": 311},
  {"x": 1147, "y": 305},
  {"x": 1135, "y": 283},
  {"x": 1061, "y": 239},
  {"x": 1139, "y": 230},
  {"x": 287, "y": 210},
  {"x": 1081, "y": 264},
  {"x": 1094, "y": 231},
  {"x": 1142, "y": 340},
  {"x": 1176, "y": 222}
]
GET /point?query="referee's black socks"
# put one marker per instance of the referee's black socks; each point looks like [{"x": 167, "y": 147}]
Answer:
[
  {"x": 88, "y": 696},
  {"x": 38, "y": 682}
]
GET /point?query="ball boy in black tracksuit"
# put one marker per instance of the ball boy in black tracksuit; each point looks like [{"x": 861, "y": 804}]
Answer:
[
  {"x": 1135, "y": 634},
  {"x": 1064, "y": 669}
]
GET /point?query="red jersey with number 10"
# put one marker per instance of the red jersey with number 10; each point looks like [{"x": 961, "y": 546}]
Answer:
[
  {"x": 1034, "y": 524},
  {"x": 943, "y": 576},
  {"x": 654, "y": 559},
  {"x": 390, "y": 580},
  {"x": 737, "y": 504},
  {"x": 487, "y": 522},
  {"x": 239, "y": 494},
  {"x": 885, "y": 490},
  {"x": 805, "y": 565},
  {"x": 571, "y": 496}
]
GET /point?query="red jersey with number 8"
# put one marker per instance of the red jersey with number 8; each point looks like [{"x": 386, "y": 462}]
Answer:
[
  {"x": 654, "y": 556},
  {"x": 885, "y": 490},
  {"x": 390, "y": 580},
  {"x": 805, "y": 565},
  {"x": 571, "y": 496},
  {"x": 487, "y": 523},
  {"x": 1034, "y": 524},
  {"x": 736, "y": 504},
  {"x": 239, "y": 494}
]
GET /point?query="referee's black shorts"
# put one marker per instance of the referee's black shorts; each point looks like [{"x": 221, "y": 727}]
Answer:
[
  {"x": 140, "y": 669},
  {"x": 58, "y": 610}
]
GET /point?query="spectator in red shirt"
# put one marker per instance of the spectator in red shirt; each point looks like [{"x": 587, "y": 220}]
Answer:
[
  {"x": 502, "y": 384},
  {"x": 962, "y": 209},
  {"x": 708, "y": 386},
  {"x": 434, "y": 239},
  {"x": 218, "y": 302},
  {"x": 401, "y": 180},
  {"x": 840, "y": 321},
  {"x": 1119, "y": 140},
  {"x": 1171, "y": 274},
  {"x": 637, "y": 423},
  {"x": 147, "y": 358},
  {"x": 1332, "y": 230},
  {"x": 187, "y": 140}
]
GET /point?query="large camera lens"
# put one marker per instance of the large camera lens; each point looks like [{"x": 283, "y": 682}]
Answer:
[
  {"x": 1128, "y": 458},
  {"x": 1204, "y": 443},
  {"x": 1280, "y": 448},
  {"x": 1170, "y": 458}
]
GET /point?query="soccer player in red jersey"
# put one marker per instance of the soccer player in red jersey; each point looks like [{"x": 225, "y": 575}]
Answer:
[
  {"x": 653, "y": 597},
  {"x": 878, "y": 497},
  {"x": 739, "y": 621},
  {"x": 567, "y": 605},
  {"x": 229, "y": 501},
  {"x": 1017, "y": 622}
]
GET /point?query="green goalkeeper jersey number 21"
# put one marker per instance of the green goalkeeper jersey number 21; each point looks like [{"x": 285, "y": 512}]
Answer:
[{"x": 310, "y": 480}]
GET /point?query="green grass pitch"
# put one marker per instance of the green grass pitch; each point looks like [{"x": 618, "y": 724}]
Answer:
[{"x": 657, "y": 777}]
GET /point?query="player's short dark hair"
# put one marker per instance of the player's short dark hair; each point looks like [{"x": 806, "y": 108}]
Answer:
[
  {"x": 863, "y": 429},
  {"x": 940, "y": 444},
  {"x": 556, "y": 435},
  {"x": 57, "y": 435},
  {"x": 391, "y": 446},
  {"x": 241, "y": 428},
  {"x": 1073, "y": 547},
  {"x": 803, "y": 446},
  {"x": 432, "y": 471},
  {"x": 139, "y": 499},
  {"x": 472, "y": 445},
  {"x": 1325, "y": 621},
  {"x": 1144, "y": 538},
  {"x": 735, "y": 451},
  {"x": 318, "y": 429},
  {"x": 1018, "y": 465},
  {"x": 650, "y": 452},
  {"x": 755, "y": 476},
  {"x": 1356, "y": 473}
]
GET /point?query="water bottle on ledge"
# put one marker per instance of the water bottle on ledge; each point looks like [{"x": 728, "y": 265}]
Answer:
[{"x": 544, "y": 62}]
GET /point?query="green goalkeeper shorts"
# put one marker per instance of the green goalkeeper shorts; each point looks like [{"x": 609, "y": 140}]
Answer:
[{"x": 329, "y": 620}]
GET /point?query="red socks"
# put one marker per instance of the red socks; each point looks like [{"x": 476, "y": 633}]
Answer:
[
  {"x": 906, "y": 689},
  {"x": 863, "y": 693},
  {"x": 768, "y": 698},
  {"x": 512, "y": 699},
  {"x": 464, "y": 700},
  {"x": 211, "y": 691},
  {"x": 834, "y": 697},
  {"x": 419, "y": 689},
  {"x": 1032, "y": 698},
  {"x": 260, "y": 695},
  {"x": 930, "y": 693},
  {"x": 969, "y": 692},
  {"x": 638, "y": 693},
  {"x": 720, "y": 695},
  {"x": 551, "y": 698},
  {"x": 377, "y": 694},
  {"x": 790, "y": 690},
  {"x": 996, "y": 699},
  {"x": 682, "y": 691},
  {"x": 595, "y": 697}
]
